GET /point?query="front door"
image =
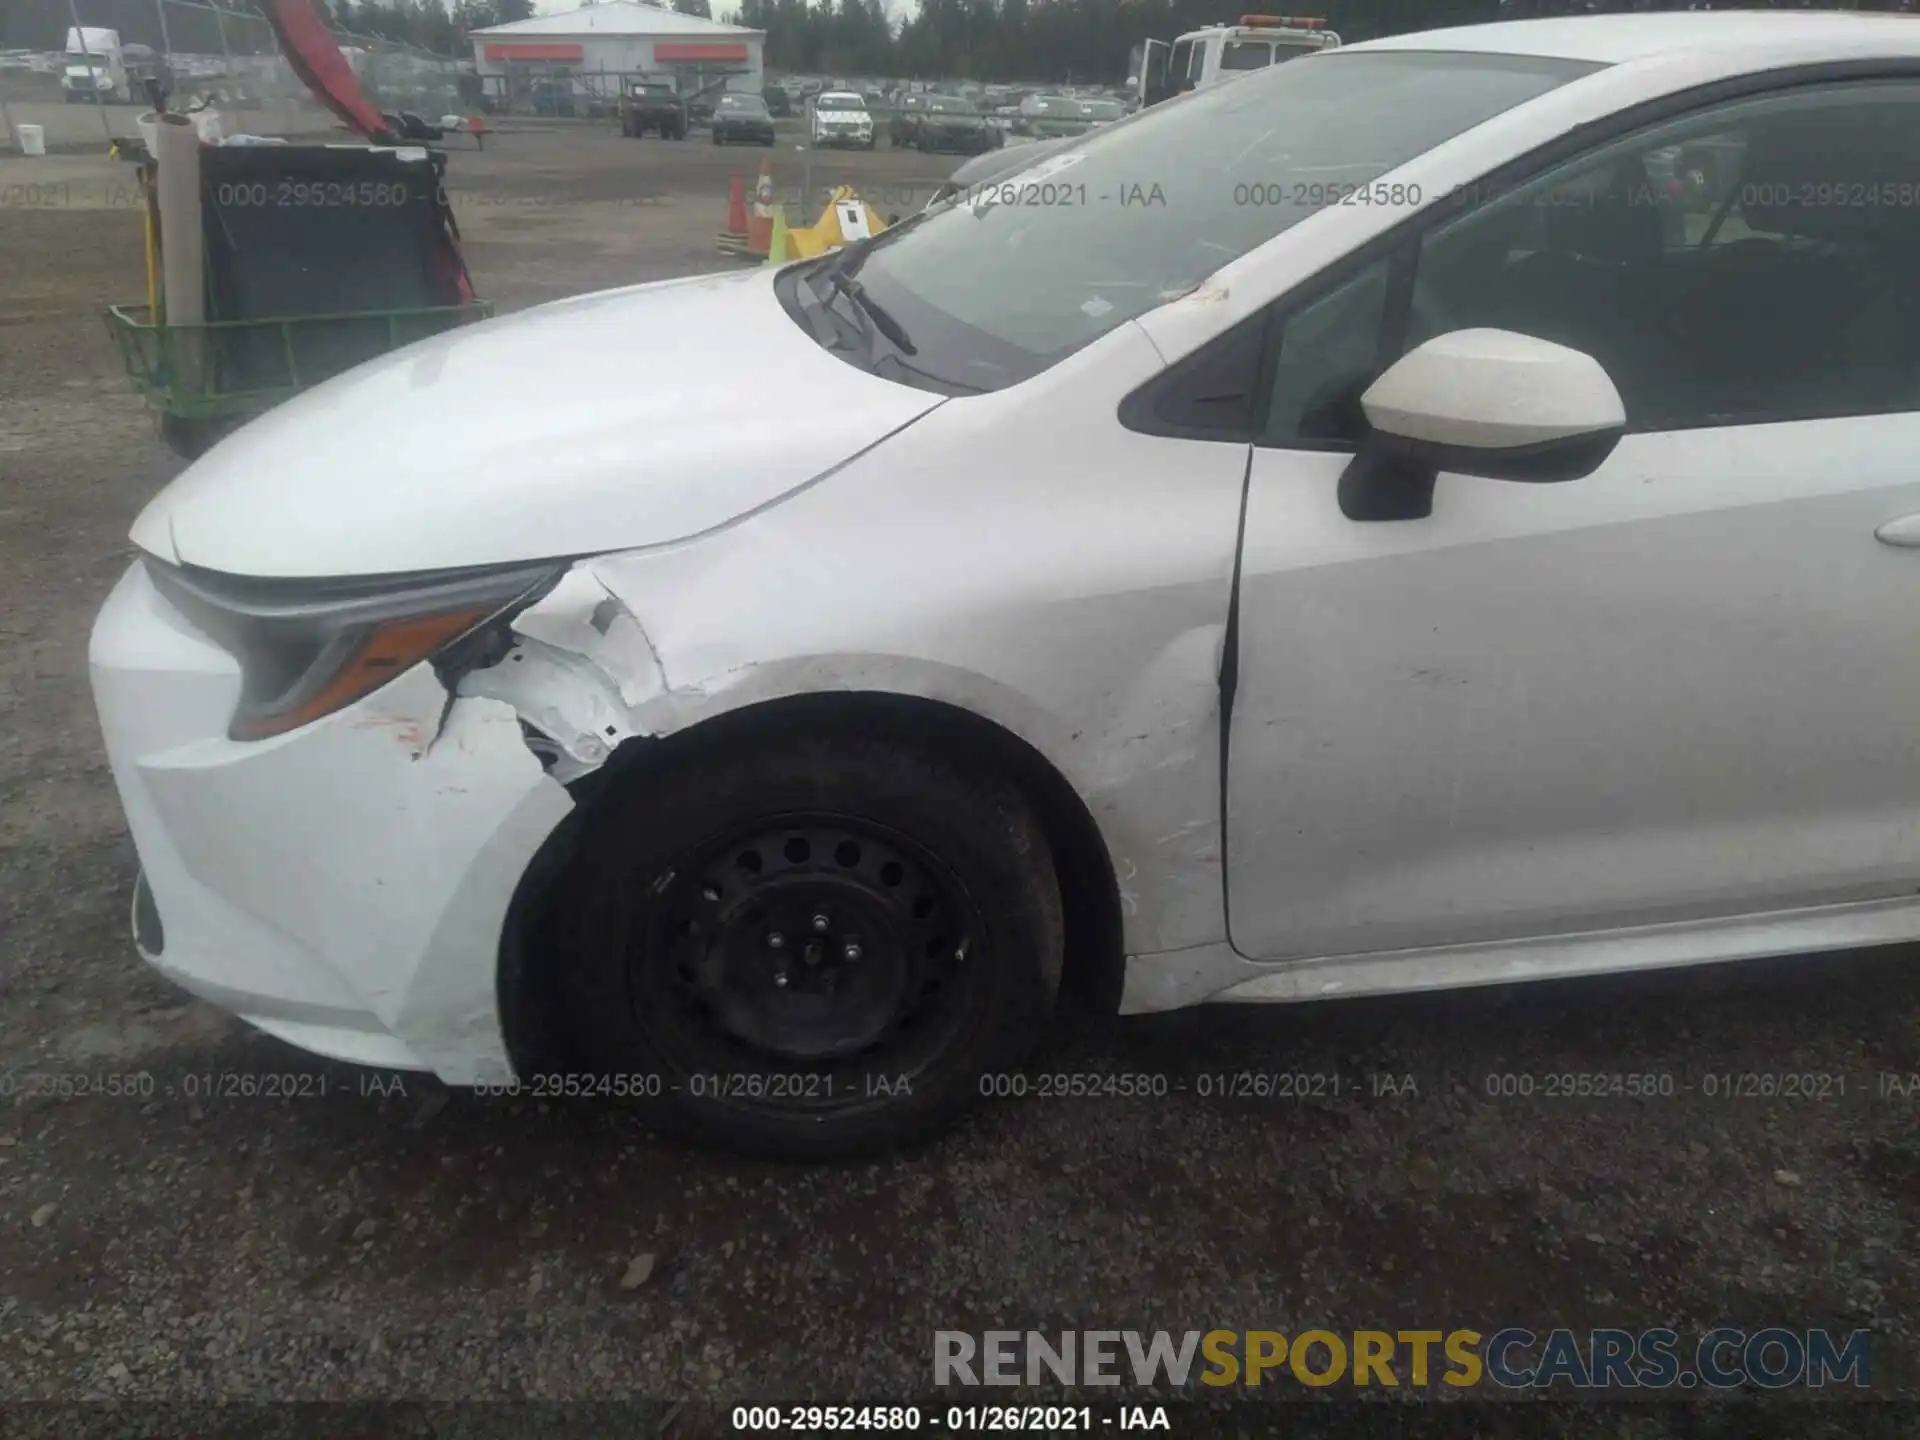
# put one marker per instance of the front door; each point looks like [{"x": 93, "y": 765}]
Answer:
[{"x": 1684, "y": 688}]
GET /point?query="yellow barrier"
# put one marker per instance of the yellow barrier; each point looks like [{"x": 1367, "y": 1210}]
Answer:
[{"x": 827, "y": 233}]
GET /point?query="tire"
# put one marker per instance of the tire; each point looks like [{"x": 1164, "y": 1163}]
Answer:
[
  {"x": 942, "y": 916},
  {"x": 716, "y": 138},
  {"x": 871, "y": 142}
]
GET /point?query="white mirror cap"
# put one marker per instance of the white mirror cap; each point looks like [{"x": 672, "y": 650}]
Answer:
[{"x": 1493, "y": 390}]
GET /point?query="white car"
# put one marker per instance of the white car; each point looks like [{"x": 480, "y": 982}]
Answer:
[
  {"x": 840, "y": 118},
  {"x": 1419, "y": 552}
]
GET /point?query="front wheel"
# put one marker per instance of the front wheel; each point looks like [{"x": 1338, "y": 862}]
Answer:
[{"x": 823, "y": 946}]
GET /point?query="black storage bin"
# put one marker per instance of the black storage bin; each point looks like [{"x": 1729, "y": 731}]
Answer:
[{"x": 321, "y": 230}]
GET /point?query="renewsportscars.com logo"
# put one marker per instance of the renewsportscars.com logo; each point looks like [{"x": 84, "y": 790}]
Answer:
[{"x": 1726, "y": 1358}]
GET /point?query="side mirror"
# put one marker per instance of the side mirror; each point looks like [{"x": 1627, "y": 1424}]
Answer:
[{"x": 1491, "y": 403}]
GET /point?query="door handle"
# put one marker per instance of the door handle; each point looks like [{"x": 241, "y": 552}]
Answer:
[{"x": 1903, "y": 532}]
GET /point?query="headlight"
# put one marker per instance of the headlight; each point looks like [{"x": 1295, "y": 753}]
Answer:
[{"x": 310, "y": 647}]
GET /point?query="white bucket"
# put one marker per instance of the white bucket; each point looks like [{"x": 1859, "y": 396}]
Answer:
[
  {"x": 33, "y": 139},
  {"x": 149, "y": 127},
  {"x": 207, "y": 124}
]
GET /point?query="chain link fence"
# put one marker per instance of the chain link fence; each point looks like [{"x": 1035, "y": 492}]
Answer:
[{"x": 204, "y": 56}]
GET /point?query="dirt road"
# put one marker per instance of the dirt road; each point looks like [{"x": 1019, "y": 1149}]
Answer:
[{"x": 386, "y": 1239}]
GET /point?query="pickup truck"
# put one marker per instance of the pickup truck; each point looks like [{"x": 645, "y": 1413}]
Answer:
[{"x": 653, "y": 107}]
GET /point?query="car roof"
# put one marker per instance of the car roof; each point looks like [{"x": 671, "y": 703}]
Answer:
[
  {"x": 842, "y": 95},
  {"x": 1616, "y": 39}
]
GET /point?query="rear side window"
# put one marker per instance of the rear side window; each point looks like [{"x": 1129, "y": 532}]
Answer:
[{"x": 1246, "y": 55}]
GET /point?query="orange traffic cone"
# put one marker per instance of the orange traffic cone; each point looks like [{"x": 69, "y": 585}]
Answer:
[
  {"x": 733, "y": 239},
  {"x": 760, "y": 223}
]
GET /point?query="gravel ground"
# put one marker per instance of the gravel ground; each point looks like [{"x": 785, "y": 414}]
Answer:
[{"x": 390, "y": 1240}]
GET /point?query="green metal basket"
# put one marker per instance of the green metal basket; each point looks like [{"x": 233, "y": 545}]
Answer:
[{"x": 243, "y": 367}]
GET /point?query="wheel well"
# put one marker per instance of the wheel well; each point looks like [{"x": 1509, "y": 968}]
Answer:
[{"x": 1095, "y": 960}]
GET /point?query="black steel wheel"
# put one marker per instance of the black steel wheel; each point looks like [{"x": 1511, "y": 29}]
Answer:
[
  {"x": 819, "y": 947},
  {"x": 822, "y": 940}
]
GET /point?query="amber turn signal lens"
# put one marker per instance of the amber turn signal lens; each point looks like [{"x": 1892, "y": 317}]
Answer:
[{"x": 387, "y": 648}]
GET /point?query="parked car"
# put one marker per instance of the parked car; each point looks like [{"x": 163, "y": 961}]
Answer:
[
  {"x": 1048, "y": 116},
  {"x": 742, "y": 119},
  {"x": 1462, "y": 587},
  {"x": 840, "y": 118},
  {"x": 648, "y": 106},
  {"x": 946, "y": 122}
]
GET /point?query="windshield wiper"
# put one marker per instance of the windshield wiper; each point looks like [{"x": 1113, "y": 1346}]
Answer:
[{"x": 840, "y": 280}]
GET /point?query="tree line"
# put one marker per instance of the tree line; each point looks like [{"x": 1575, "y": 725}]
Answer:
[{"x": 1089, "y": 41}]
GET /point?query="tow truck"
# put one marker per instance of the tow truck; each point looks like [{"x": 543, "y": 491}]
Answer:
[{"x": 1159, "y": 71}]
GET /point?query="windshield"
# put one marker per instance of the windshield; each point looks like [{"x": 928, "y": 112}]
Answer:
[
  {"x": 744, "y": 103},
  {"x": 1000, "y": 287},
  {"x": 839, "y": 102},
  {"x": 947, "y": 105}
]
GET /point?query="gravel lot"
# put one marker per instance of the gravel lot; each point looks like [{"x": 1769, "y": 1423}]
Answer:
[{"x": 391, "y": 1240}]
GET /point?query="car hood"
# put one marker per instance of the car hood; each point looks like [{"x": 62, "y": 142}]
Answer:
[{"x": 606, "y": 422}]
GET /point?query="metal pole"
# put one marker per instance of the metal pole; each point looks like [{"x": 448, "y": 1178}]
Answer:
[
  {"x": 226, "y": 50},
  {"x": 166, "y": 42},
  {"x": 73, "y": 9},
  {"x": 7, "y": 118}
]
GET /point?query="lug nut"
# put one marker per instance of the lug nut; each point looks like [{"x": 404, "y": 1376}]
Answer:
[
  {"x": 820, "y": 922},
  {"x": 851, "y": 950},
  {"x": 779, "y": 979},
  {"x": 710, "y": 893},
  {"x": 776, "y": 941}
]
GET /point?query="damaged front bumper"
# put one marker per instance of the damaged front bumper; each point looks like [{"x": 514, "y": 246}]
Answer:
[{"x": 343, "y": 886}]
